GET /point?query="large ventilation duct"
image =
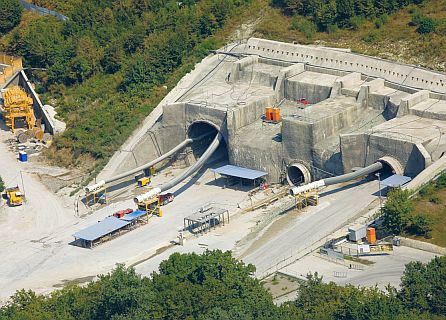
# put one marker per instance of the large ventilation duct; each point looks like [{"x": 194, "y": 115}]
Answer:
[
  {"x": 206, "y": 155},
  {"x": 151, "y": 163},
  {"x": 339, "y": 179}
]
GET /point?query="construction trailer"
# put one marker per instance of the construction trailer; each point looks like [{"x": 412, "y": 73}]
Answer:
[
  {"x": 15, "y": 196},
  {"x": 18, "y": 109}
]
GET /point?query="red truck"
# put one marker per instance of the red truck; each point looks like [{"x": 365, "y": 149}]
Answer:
[
  {"x": 166, "y": 198},
  {"x": 122, "y": 213}
]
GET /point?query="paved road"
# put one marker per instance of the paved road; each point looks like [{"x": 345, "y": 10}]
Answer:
[{"x": 333, "y": 211}]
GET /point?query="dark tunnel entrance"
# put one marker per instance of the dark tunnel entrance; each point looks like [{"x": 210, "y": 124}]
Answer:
[
  {"x": 298, "y": 174},
  {"x": 206, "y": 132},
  {"x": 391, "y": 166}
]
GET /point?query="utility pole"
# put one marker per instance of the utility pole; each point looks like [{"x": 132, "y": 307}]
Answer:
[
  {"x": 380, "y": 198},
  {"x": 23, "y": 185}
]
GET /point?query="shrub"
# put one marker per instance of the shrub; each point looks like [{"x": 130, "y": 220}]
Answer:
[
  {"x": 441, "y": 181},
  {"x": 305, "y": 26},
  {"x": 426, "y": 25},
  {"x": 2, "y": 185},
  {"x": 427, "y": 190},
  {"x": 381, "y": 20},
  {"x": 420, "y": 224},
  {"x": 356, "y": 22},
  {"x": 435, "y": 199},
  {"x": 332, "y": 28},
  {"x": 371, "y": 37}
]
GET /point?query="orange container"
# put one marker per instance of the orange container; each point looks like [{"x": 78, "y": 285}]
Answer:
[
  {"x": 269, "y": 113},
  {"x": 371, "y": 235},
  {"x": 276, "y": 114}
]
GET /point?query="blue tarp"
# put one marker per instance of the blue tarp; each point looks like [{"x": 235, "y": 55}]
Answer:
[
  {"x": 239, "y": 172},
  {"x": 395, "y": 181},
  {"x": 134, "y": 215},
  {"x": 100, "y": 229}
]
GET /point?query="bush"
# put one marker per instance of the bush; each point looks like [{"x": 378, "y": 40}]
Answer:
[
  {"x": 10, "y": 14},
  {"x": 435, "y": 199},
  {"x": 427, "y": 190},
  {"x": 420, "y": 225},
  {"x": 371, "y": 37},
  {"x": 380, "y": 21},
  {"x": 332, "y": 28},
  {"x": 356, "y": 22},
  {"x": 426, "y": 25},
  {"x": 305, "y": 26},
  {"x": 441, "y": 181},
  {"x": 2, "y": 185}
]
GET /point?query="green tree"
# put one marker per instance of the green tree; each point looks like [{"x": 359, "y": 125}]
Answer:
[
  {"x": 10, "y": 14},
  {"x": 326, "y": 16},
  {"x": 423, "y": 286},
  {"x": 345, "y": 10},
  {"x": 397, "y": 211}
]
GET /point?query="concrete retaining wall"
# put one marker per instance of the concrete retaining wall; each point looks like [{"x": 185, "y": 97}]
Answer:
[
  {"x": 360, "y": 150},
  {"x": 420, "y": 245},
  {"x": 392, "y": 72}
]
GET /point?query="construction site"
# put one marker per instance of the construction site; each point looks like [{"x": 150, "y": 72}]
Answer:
[{"x": 275, "y": 151}]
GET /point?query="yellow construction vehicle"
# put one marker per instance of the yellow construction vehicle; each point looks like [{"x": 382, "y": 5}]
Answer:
[
  {"x": 15, "y": 196},
  {"x": 144, "y": 181},
  {"x": 18, "y": 109}
]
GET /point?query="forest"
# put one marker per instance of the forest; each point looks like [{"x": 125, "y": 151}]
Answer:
[
  {"x": 214, "y": 285},
  {"x": 110, "y": 64},
  {"x": 330, "y": 14}
]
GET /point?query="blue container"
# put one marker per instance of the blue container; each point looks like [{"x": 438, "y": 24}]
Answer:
[{"x": 23, "y": 156}]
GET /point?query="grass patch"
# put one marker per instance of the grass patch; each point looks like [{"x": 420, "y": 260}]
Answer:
[{"x": 433, "y": 206}]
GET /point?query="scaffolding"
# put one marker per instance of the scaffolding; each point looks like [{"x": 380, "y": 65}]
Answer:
[
  {"x": 305, "y": 199},
  {"x": 151, "y": 206},
  {"x": 18, "y": 107},
  {"x": 205, "y": 219},
  {"x": 99, "y": 195}
]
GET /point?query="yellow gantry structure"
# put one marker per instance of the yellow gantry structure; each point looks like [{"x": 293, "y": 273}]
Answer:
[{"x": 18, "y": 106}]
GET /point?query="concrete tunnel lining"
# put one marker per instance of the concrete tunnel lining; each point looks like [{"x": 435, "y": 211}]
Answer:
[
  {"x": 392, "y": 165},
  {"x": 297, "y": 174}
]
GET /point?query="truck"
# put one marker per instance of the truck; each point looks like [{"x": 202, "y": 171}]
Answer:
[
  {"x": 144, "y": 181},
  {"x": 166, "y": 198},
  {"x": 15, "y": 196},
  {"x": 122, "y": 213}
]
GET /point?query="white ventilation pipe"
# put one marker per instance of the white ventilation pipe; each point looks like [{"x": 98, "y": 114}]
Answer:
[
  {"x": 95, "y": 186},
  {"x": 148, "y": 195}
]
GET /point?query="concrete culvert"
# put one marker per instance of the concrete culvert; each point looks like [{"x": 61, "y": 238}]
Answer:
[
  {"x": 391, "y": 166},
  {"x": 298, "y": 174}
]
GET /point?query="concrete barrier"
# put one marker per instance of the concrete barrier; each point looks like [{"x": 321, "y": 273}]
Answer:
[{"x": 420, "y": 245}]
